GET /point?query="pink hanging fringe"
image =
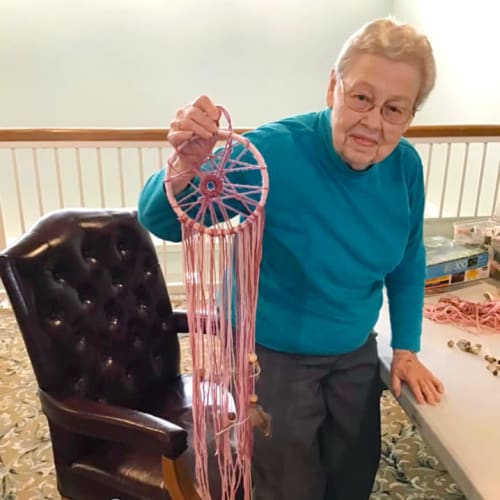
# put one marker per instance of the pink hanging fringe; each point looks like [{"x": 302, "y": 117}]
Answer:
[{"x": 221, "y": 262}]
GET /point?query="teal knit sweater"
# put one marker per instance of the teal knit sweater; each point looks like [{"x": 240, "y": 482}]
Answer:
[{"x": 333, "y": 238}]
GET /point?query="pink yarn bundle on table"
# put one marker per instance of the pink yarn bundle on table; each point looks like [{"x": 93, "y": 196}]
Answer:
[
  {"x": 221, "y": 271},
  {"x": 476, "y": 317}
]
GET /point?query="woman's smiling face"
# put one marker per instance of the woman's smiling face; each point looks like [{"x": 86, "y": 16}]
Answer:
[{"x": 362, "y": 138}]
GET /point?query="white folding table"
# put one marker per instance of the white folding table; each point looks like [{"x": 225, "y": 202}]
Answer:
[{"x": 464, "y": 428}]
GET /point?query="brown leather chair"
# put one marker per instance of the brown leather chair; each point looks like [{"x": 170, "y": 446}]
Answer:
[{"x": 98, "y": 325}]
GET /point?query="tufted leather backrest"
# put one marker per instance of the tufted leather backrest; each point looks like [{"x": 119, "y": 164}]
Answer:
[{"x": 92, "y": 306}]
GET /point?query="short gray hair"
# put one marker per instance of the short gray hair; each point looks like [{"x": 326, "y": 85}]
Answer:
[{"x": 399, "y": 42}]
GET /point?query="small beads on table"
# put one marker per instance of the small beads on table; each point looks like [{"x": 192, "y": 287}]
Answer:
[
  {"x": 493, "y": 368},
  {"x": 466, "y": 346},
  {"x": 493, "y": 364}
]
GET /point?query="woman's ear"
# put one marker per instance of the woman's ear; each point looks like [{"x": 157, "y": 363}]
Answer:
[{"x": 331, "y": 88}]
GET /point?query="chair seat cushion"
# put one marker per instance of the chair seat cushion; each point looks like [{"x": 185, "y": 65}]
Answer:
[{"x": 136, "y": 473}]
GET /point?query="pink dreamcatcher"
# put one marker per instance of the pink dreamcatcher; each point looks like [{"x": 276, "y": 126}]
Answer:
[{"x": 222, "y": 219}]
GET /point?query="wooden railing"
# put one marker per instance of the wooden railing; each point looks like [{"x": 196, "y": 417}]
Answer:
[
  {"x": 45, "y": 169},
  {"x": 156, "y": 134}
]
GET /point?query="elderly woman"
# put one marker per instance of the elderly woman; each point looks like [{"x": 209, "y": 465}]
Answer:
[{"x": 344, "y": 218}]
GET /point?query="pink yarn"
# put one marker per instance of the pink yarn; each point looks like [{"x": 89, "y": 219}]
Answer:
[
  {"x": 475, "y": 317},
  {"x": 220, "y": 259}
]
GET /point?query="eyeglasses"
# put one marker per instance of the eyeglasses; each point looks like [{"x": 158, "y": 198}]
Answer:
[{"x": 362, "y": 103}]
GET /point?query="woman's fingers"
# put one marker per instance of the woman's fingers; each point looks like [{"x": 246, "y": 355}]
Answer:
[
  {"x": 416, "y": 390},
  {"x": 193, "y": 134},
  {"x": 437, "y": 384},
  {"x": 188, "y": 124},
  {"x": 176, "y": 138},
  {"x": 430, "y": 392},
  {"x": 206, "y": 105},
  {"x": 192, "y": 120}
]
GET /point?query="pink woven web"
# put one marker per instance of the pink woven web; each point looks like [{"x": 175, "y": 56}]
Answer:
[{"x": 221, "y": 270}]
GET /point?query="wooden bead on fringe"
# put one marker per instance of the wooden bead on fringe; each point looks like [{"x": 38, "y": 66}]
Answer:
[{"x": 258, "y": 417}]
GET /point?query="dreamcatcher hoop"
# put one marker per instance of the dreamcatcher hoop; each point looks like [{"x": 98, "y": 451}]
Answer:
[
  {"x": 221, "y": 259},
  {"x": 213, "y": 182}
]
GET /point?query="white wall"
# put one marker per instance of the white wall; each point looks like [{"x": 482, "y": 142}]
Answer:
[
  {"x": 132, "y": 63},
  {"x": 465, "y": 38}
]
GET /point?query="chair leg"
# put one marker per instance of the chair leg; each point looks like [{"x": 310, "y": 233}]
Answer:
[{"x": 177, "y": 480}]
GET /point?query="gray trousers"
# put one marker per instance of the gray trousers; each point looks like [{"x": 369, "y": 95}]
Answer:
[{"x": 325, "y": 442}]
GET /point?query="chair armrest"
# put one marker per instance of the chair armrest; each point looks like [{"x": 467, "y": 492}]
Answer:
[
  {"x": 181, "y": 321},
  {"x": 115, "y": 423},
  {"x": 182, "y": 325}
]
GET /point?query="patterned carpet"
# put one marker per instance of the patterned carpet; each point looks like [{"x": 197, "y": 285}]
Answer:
[{"x": 408, "y": 469}]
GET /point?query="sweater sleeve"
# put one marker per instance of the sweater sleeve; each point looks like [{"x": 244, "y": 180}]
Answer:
[
  {"x": 405, "y": 284},
  {"x": 154, "y": 210}
]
